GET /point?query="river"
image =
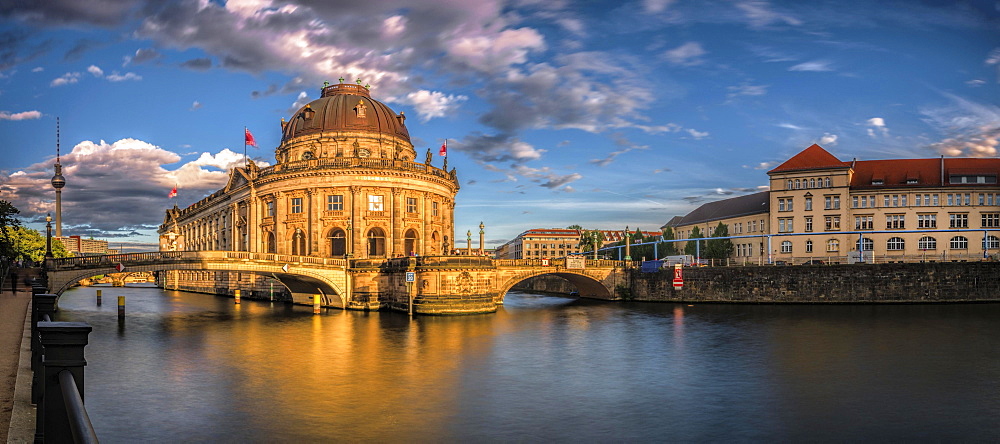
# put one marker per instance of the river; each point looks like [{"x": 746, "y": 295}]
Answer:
[{"x": 188, "y": 367}]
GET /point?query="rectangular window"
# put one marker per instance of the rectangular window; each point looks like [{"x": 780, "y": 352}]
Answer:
[
  {"x": 809, "y": 204},
  {"x": 334, "y": 202},
  {"x": 296, "y": 205},
  {"x": 809, "y": 223},
  {"x": 885, "y": 201},
  {"x": 918, "y": 200},
  {"x": 375, "y": 203},
  {"x": 434, "y": 208},
  {"x": 991, "y": 220},
  {"x": 958, "y": 220},
  {"x": 411, "y": 204},
  {"x": 785, "y": 225},
  {"x": 785, "y": 204},
  {"x": 935, "y": 197},
  {"x": 269, "y": 208},
  {"x": 854, "y": 202},
  {"x": 927, "y": 221},
  {"x": 894, "y": 222},
  {"x": 895, "y": 200},
  {"x": 863, "y": 222},
  {"x": 832, "y": 223}
]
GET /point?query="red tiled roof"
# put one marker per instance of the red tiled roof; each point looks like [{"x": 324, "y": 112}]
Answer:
[
  {"x": 812, "y": 158},
  {"x": 925, "y": 172}
]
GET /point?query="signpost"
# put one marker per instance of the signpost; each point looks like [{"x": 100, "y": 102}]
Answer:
[
  {"x": 120, "y": 267},
  {"x": 575, "y": 262},
  {"x": 678, "y": 276},
  {"x": 411, "y": 277}
]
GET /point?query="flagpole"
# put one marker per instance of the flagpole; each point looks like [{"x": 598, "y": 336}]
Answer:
[{"x": 245, "y": 162}]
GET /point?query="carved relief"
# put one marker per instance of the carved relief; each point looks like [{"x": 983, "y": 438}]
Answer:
[
  {"x": 361, "y": 109},
  {"x": 464, "y": 283}
]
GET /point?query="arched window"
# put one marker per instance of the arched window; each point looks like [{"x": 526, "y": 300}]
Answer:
[
  {"x": 270, "y": 243},
  {"x": 827, "y": 182},
  {"x": 812, "y": 183},
  {"x": 299, "y": 243},
  {"x": 410, "y": 243},
  {"x": 786, "y": 246},
  {"x": 376, "y": 242},
  {"x": 789, "y": 185},
  {"x": 927, "y": 243},
  {"x": 434, "y": 248},
  {"x": 959, "y": 243},
  {"x": 832, "y": 246},
  {"x": 865, "y": 244},
  {"x": 895, "y": 244},
  {"x": 991, "y": 243},
  {"x": 338, "y": 243},
  {"x": 809, "y": 246},
  {"x": 798, "y": 184}
]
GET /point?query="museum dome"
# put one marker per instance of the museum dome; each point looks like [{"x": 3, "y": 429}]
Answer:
[{"x": 345, "y": 107}]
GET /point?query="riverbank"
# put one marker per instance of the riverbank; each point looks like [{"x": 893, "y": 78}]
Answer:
[{"x": 16, "y": 413}]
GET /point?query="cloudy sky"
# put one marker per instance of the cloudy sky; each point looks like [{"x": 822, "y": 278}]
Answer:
[{"x": 602, "y": 114}]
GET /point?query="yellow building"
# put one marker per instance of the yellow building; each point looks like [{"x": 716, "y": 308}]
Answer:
[
  {"x": 821, "y": 208},
  {"x": 347, "y": 183}
]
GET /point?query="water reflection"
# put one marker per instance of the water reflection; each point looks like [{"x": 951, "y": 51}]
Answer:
[{"x": 197, "y": 368}]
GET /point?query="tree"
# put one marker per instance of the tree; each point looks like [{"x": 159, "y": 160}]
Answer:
[
  {"x": 575, "y": 227},
  {"x": 719, "y": 248},
  {"x": 587, "y": 240},
  {"x": 690, "y": 247},
  {"x": 30, "y": 245},
  {"x": 8, "y": 223},
  {"x": 668, "y": 248}
]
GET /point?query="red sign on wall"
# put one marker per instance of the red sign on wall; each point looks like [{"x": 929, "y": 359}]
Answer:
[{"x": 678, "y": 276}]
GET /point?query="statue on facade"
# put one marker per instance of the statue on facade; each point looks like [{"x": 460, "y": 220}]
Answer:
[{"x": 427, "y": 160}]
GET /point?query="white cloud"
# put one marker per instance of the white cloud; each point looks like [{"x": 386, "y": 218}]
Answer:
[
  {"x": 698, "y": 135},
  {"x": 66, "y": 79},
  {"x": 431, "y": 104},
  {"x": 196, "y": 105},
  {"x": 656, "y": 6},
  {"x": 97, "y": 72},
  {"x": 746, "y": 89},
  {"x": 828, "y": 139},
  {"x": 688, "y": 54},
  {"x": 37, "y": 69},
  {"x": 759, "y": 14},
  {"x": 812, "y": 66},
  {"x": 393, "y": 26},
  {"x": 301, "y": 100},
  {"x": 877, "y": 127},
  {"x": 971, "y": 129},
  {"x": 491, "y": 53},
  {"x": 115, "y": 77},
  {"x": 790, "y": 126},
  {"x": 24, "y": 115},
  {"x": 762, "y": 166}
]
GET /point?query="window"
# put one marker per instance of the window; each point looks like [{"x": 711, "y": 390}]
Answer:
[
  {"x": 296, "y": 205},
  {"x": 798, "y": 184},
  {"x": 864, "y": 222},
  {"x": 958, "y": 220},
  {"x": 269, "y": 208},
  {"x": 927, "y": 221},
  {"x": 812, "y": 183},
  {"x": 895, "y": 244},
  {"x": 809, "y": 223},
  {"x": 960, "y": 199},
  {"x": 832, "y": 202},
  {"x": 991, "y": 220},
  {"x": 972, "y": 179},
  {"x": 335, "y": 202},
  {"x": 411, "y": 204},
  {"x": 809, "y": 246},
  {"x": 959, "y": 243},
  {"x": 865, "y": 244},
  {"x": 785, "y": 225},
  {"x": 927, "y": 243},
  {"x": 375, "y": 203},
  {"x": 434, "y": 208},
  {"x": 894, "y": 222},
  {"x": 338, "y": 243},
  {"x": 991, "y": 243},
  {"x": 989, "y": 199},
  {"x": 827, "y": 181},
  {"x": 832, "y": 223},
  {"x": 785, "y": 204},
  {"x": 788, "y": 185},
  {"x": 809, "y": 204},
  {"x": 832, "y": 246},
  {"x": 786, "y": 246}
]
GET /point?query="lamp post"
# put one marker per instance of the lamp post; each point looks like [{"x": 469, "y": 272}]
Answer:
[
  {"x": 482, "y": 236},
  {"x": 48, "y": 235},
  {"x": 628, "y": 257},
  {"x": 593, "y": 240},
  {"x": 468, "y": 243}
]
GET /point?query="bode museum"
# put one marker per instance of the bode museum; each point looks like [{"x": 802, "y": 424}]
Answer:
[{"x": 347, "y": 184}]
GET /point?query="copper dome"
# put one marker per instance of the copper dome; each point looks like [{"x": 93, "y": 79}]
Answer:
[{"x": 344, "y": 107}]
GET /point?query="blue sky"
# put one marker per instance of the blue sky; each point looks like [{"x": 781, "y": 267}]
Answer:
[{"x": 602, "y": 114}]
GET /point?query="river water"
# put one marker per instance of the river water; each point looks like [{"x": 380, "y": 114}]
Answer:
[{"x": 188, "y": 367}]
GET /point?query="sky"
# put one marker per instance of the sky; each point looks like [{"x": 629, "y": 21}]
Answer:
[{"x": 603, "y": 114}]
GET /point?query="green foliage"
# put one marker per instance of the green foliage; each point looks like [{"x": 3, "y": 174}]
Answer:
[
  {"x": 719, "y": 248},
  {"x": 30, "y": 244},
  {"x": 575, "y": 227},
  {"x": 690, "y": 247},
  {"x": 8, "y": 222},
  {"x": 668, "y": 248},
  {"x": 587, "y": 239}
]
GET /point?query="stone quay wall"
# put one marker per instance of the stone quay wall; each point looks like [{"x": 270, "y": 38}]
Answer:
[{"x": 841, "y": 283}]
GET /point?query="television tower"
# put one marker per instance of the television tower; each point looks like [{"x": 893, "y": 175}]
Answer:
[{"x": 58, "y": 182}]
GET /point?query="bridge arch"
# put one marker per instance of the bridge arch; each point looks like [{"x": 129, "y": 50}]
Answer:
[{"x": 587, "y": 286}]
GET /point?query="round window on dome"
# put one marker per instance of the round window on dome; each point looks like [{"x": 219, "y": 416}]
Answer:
[{"x": 307, "y": 155}]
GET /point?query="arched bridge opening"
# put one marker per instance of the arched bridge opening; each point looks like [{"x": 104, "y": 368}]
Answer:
[{"x": 586, "y": 286}]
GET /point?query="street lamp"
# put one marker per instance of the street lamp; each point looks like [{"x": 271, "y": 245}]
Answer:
[
  {"x": 482, "y": 236},
  {"x": 468, "y": 243},
  {"x": 48, "y": 235},
  {"x": 628, "y": 257}
]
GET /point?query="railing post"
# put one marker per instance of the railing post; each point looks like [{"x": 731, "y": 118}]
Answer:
[
  {"x": 42, "y": 305},
  {"x": 63, "y": 343}
]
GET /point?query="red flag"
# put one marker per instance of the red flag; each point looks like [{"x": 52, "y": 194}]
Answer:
[
  {"x": 249, "y": 138},
  {"x": 173, "y": 192},
  {"x": 444, "y": 149}
]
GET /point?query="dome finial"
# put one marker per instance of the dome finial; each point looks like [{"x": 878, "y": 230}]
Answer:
[
  {"x": 359, "y": 80},
  {"x": 341, "y": 79}
]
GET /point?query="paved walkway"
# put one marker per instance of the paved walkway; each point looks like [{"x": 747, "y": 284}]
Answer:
[{"x": 13, "y": 320}]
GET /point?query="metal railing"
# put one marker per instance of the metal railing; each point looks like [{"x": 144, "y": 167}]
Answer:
[{"x": 57, "y": 363}]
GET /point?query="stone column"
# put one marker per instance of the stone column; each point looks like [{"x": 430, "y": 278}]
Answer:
[
  {"x": 395, "y": 243},
  {"x": 311, "y": 221},
  {"x": 357, "y": 219}
]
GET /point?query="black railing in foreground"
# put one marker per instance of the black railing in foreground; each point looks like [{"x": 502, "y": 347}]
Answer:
[{"x": 58, "y": 383}]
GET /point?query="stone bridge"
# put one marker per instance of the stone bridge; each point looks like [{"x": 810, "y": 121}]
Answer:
[{"x": 436, "y": 285}]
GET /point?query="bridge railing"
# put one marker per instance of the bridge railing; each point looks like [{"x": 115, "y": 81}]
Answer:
[
  {"x": 561, "y": 263},
  {"x": 109, "y": 260}
]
